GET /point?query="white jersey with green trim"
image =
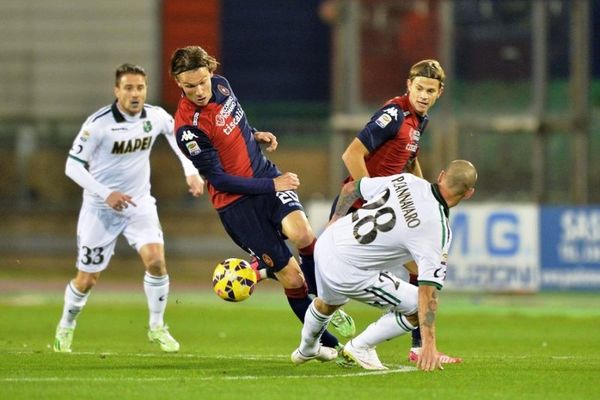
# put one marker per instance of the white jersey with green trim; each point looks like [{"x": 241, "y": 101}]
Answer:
[
  {"x": 405, "y": 218},
  {"x": 115, "y": 148}
]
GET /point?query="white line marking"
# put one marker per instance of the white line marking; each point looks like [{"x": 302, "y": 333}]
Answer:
[
  {"x": 250, "y": 357},
  {"x": 396, "y": 370}
]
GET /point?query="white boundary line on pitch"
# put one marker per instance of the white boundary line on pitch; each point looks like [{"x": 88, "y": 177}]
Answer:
[
  {"x": 395, "y": 369},
  {"x": 399, "y": 369},
  {"x": 249, "y": 357}
]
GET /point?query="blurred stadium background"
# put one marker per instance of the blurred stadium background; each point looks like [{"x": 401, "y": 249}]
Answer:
[{"x": 521, "y": 102}]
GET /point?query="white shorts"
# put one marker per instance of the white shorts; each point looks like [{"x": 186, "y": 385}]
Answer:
[
  {"x": 338, "y": 281},
  {"x": 99, "y": 228}
]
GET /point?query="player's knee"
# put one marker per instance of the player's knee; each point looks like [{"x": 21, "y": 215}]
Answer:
[
  {"x": 156, "y": 266},
  {"x": 413, "y": 319},
  {"x": 324, "y": 308},
  {"x": 303, "y": 237},
  {"x": 291, "y": 278},
  {"x": 85, "y": 281}
]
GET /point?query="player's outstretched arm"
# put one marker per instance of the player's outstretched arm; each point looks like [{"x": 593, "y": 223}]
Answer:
[
  {"x": 429, "y": 360},
  {"x": 266, "y": 138}
]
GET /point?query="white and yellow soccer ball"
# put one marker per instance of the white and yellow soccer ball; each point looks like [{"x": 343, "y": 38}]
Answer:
[{"x": 233, "y": 279}]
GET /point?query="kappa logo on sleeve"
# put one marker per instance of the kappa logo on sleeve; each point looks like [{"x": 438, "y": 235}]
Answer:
[
  {"x": 392, "y": 112},
  {"x": 188, "y": 135}
]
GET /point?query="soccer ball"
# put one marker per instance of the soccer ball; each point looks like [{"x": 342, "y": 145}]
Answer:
[{"x": 233, "y": 279}]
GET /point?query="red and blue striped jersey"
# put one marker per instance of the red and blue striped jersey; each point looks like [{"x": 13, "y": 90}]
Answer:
[
  {"x": 392, "y": 138},
  {"x": 220, "y": 142}
]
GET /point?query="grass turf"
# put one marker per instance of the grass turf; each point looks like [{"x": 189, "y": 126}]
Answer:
[{"x": 544, "y": 346}]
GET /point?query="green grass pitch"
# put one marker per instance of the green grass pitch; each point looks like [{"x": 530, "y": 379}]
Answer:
[{"x": 544, "y": 346}]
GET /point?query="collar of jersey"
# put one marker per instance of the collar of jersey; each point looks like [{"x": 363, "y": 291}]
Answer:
[
  {"x": 119, "y": 117},
  {"x": 435, "y": 189}
]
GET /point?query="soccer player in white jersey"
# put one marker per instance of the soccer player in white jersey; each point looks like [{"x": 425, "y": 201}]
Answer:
[
  {"x": 356, "y": 257},
  {"x": 110, "y": 160}
]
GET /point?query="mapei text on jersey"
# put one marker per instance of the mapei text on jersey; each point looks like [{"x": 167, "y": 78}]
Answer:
[{"x": 129, "y": 146}]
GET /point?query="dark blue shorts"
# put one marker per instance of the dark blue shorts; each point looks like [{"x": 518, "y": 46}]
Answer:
[{"x": 254, "y": 224}]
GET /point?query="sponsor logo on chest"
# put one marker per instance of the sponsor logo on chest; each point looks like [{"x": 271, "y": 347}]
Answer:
[
  {"x": 131, "y": 145},
  {"x": 226, "y": 112},
  {"x": 414, "y": 136}
]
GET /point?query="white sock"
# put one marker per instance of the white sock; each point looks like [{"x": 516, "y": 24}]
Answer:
[
  {"x": 157, "y": 291},
  {"x": 315, "y": 324},
  {"x": 389, "y": 326},
  {"x": 262, "y": 273},
  {"x": 74, "y": 302}
]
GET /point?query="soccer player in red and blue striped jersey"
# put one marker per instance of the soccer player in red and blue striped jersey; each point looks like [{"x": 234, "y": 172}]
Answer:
[
  {"x": 389, "y": 144},
  {"x": 257, "y": 204}
]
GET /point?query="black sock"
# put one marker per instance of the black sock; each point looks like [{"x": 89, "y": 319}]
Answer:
[{"x": 416, "y": 333}]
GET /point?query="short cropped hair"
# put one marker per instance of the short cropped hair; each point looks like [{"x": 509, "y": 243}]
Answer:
[
  {"x": 428, "y": 69},
  {"x": 127, "y": 68},
  {"x": 190, "y": 58}
]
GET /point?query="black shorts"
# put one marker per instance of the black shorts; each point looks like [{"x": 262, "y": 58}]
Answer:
[{"x": 254, "y": 224}]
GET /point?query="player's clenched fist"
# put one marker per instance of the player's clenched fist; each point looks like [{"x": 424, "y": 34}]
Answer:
[{"x": 287, "y": 181}]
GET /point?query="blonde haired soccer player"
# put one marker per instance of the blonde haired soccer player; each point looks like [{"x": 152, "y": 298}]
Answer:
[
  {"x": 110, "y": 160},
  {"x": 389, "y": 144}
]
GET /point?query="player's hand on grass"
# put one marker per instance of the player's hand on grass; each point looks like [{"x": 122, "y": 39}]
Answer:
[
  {"x": 267, "y": 138},
  {"x": 287, "y": 181},
  {"x": 196, "y": 185},
  {"x": 119, "y": 201},
  {"x": 429, "y": 359}
]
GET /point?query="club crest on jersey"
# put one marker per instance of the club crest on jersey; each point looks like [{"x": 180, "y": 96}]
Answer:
[
  {"x": 188, "y": 135},
  {"x": 383, "y": 120},
  {"x": 268, "y": 260},
  {"x": 223, "y": 90},
  {"x": 193, "y": 148},
  {"x": 147, "y": 126}
]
